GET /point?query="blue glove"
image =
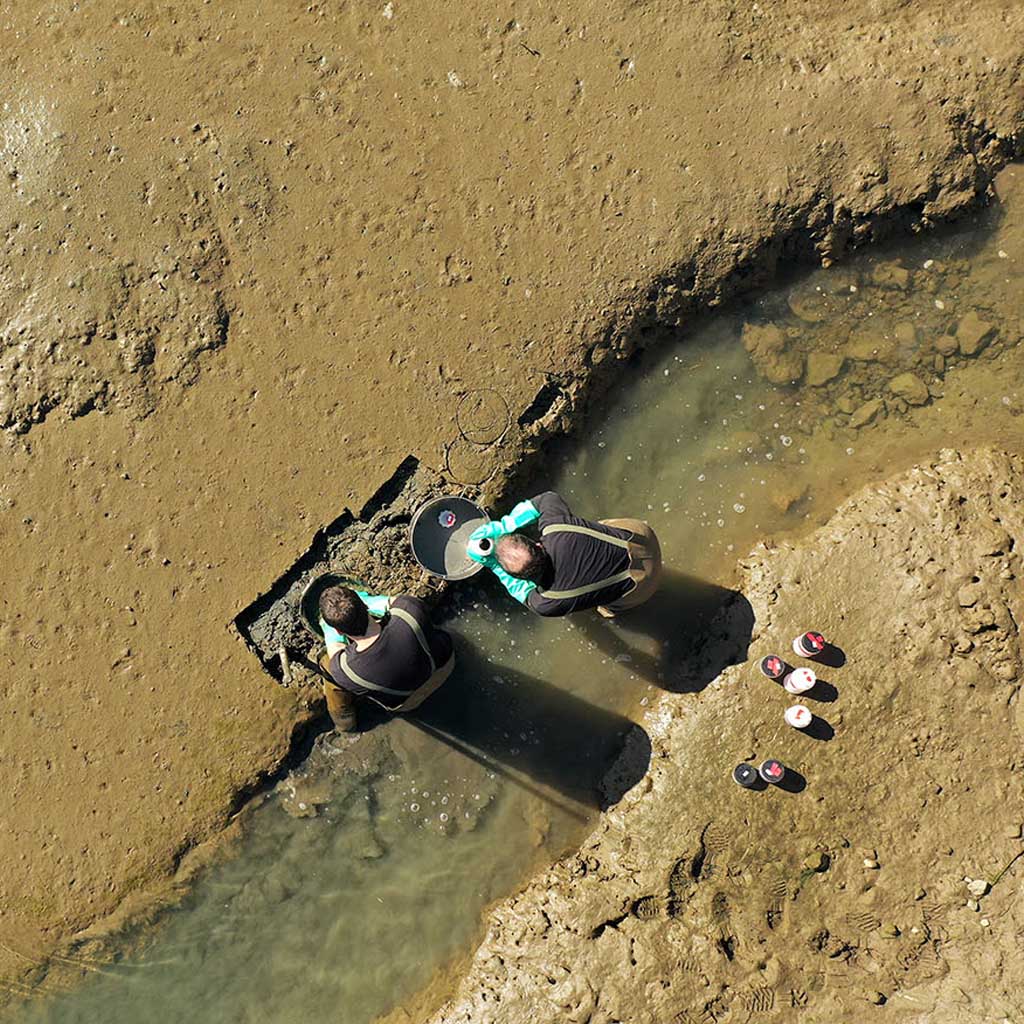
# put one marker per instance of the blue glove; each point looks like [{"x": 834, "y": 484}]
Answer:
[{"x": 522, "y": 515}]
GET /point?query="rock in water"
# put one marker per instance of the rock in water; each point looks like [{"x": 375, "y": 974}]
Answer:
[
  {"x": 866, "y": 413},
  {"x": 766, "y": 344},
  {"x": 823, "y": 367},
  {"x": 910, "y": 388},
  {"x": 973, "y": 334}
]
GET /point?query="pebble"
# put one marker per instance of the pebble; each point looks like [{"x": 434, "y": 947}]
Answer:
[
  {"x": 878, "y": 998},
  {"x": 985, "y": 922},
  {"x": 1012, "y": 832},
  {"x": 972, "y": 905},
  {"x": 978, "y": 887},
  {"x": 816, "y": 861},
  {"x": 889, "y": 931},
  {"x": 870, "y": 864}
]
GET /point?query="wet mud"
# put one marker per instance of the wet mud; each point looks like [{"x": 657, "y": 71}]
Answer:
[{"x": 254, "y": 261}]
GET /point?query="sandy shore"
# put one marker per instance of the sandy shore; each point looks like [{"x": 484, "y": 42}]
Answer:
[{"x": 253, "y": 260}]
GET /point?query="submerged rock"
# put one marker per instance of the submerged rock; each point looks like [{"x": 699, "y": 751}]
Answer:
[
  {"x": 823, "y": 367},
  {"x": 867, "y": 413},
  {"x": 766, "y": 344},
  {"x": 910, "y": 388},
  {"x": 973, "y": 334},
  {"x": 869, "y": 345}
]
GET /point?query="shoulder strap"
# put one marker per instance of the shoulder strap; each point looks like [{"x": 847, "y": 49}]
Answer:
[
  {"x": 411, "y": 622},
  {"x": 589, "y": 588},
  {"x": 587, "y": 532},
  {"x": 365, "y": 683}
]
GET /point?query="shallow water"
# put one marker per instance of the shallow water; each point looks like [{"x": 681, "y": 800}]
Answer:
[{"x": 367, "y": 871}]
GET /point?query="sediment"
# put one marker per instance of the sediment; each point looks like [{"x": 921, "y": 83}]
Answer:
[
  {"x": 896, "y": 887},
  {"x": 251, "y": 267}
]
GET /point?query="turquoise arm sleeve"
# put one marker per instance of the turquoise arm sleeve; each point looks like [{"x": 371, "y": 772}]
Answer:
[
  {"x": 522, "y": 515},
  {"x": 376, "y": 604},
  {"x": 519, "y": 589},
  {"x": 331, "y": 635}
]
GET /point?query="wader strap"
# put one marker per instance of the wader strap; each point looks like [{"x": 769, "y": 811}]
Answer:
[
  {"x": 415, "y": 627},
  {"x": 590, "y": 588},
  {"x": 421, "y": 640},
  {"x": 365, "y": 683},
  {"x": 587, "y": 532}
]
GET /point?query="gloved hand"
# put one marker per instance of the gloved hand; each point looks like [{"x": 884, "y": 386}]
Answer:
[
  {"x": 331, "y": 635},
  {"x": 475, "y": 551},
  {"x": 522, "y": 515},
  {"x": 519, "y": 589}
]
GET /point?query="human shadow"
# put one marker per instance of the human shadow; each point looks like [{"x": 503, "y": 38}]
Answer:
[
  {"x": 680, "y": 639},
  {"x": 534, "y": 733}
]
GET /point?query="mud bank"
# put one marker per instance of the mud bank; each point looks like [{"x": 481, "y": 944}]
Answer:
[
  {"x": 873, "y": 880},
  {"x": 253, "y": 261}
]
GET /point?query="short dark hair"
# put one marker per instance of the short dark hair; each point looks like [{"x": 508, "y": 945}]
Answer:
[
  {"x": 524, "y": 558},
  {"x": 341, "y": 608}
]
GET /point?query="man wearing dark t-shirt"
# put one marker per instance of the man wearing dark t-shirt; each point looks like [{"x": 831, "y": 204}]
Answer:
[
  {"x": 396, "y": 660},
  {"x": 611, "y": 565}
]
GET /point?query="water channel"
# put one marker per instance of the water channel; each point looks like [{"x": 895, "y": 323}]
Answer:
[{"x": 366, "y": 873}]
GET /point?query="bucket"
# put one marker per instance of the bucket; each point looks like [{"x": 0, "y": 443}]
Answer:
[
  {"x": 309, "y": 602},
  {"x": 439, "y": 533}
]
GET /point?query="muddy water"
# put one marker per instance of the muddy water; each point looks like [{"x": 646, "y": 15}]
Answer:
[{"x": 366, "y": 872}]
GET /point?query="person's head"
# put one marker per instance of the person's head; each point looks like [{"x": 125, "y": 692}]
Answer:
[
  {"x": 341, "y": 608},
  {"x": 524, "y": 558}
]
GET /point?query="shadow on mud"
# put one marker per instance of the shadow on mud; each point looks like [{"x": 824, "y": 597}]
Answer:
[
  {"x": 539, "y": 736},
  {"x": 683, "y": 637}
]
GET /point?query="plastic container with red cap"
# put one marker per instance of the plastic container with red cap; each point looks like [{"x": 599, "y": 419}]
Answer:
[
  {"x": 774, "y": 667},
  {"x": 799, "y": 716},
  {"x": 809, "y": 644},
  {"x": 800, "y": 680},
  {"x": 772, "y": 770}
]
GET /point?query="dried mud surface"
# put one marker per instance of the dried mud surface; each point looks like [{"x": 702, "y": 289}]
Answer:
[
  {"x": 876, "y": 880},
  {"x": 254, "y": 258}
]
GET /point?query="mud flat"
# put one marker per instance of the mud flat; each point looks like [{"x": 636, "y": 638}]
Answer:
[
  {"x": 884, "y": 874},
  {"x": 252, "y": 261}
]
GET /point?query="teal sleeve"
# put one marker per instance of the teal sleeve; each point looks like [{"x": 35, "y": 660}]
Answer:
[
  {"x": 331, "y": 635},
  {"x": 522, "y": 515},
  {"x": 519, "y": 589},
  {"x": 376, "y": 604}
]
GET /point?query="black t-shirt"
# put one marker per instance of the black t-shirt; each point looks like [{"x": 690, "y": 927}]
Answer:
[
  {"x": 578, "y": 560},
  {"x": 395, "y": 659}
]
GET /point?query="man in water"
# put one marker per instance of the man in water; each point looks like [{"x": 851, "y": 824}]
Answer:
[
  {"x": 382, "y": 649},
  {"x": 612, "y": 565}
]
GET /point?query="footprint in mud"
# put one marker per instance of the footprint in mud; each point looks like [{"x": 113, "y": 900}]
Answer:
[
  {"x": 679, "y": 881},
  {"x": 760, "y": 999},
  {"x": 648, "y": 907},
  {"x": 921, "y": 963},
  {"x": 778, "y": 895},
  {"x": 714, "y": 841},
  {"x": 723, "y": 924},
  {"x": 864, "y": 921},
  {"x": 797, "y": 997}
]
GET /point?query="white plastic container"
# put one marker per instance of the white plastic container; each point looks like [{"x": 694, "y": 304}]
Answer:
[
  {"x": 798, "y": 716},
  {"x": 800, "y": 680}
]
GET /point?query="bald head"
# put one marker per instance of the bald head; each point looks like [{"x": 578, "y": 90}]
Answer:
[{"x": 523, "y": 558}]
